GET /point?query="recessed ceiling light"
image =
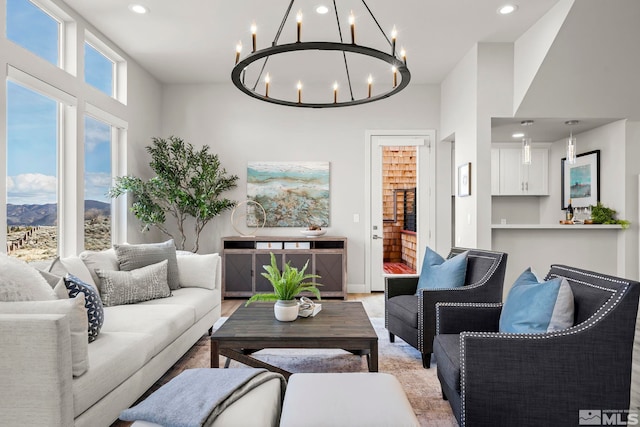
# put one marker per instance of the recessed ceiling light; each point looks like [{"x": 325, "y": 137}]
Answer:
[
  {"x": 322, "y": 9},
  {"x": 507, "y": 9},
  {"x": 138, "y": 8},
  {"x": 517, "y": 135}
]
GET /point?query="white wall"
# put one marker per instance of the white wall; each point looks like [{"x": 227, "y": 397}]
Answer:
[
  {"x": 531, "y": 48},
  {"x": 241, "y": 129},
  {"x": 478, "y": 88},
  {"x": 459, "y": 101}
]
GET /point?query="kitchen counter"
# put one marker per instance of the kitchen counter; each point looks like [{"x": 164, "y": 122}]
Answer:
[{"x": 558, "y": 226}]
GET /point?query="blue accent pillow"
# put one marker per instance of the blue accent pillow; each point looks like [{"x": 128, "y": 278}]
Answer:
[
  {"x": 92, "y": 302},
  {"x": 438, "y": 273},
  {"x": 534, "y": 307}
]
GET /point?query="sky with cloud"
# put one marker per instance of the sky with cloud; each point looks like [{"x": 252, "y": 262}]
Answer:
[{"x": 32, "y": 119}]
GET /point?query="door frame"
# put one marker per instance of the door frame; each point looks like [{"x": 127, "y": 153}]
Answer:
[{"x": 426, "y": 231}]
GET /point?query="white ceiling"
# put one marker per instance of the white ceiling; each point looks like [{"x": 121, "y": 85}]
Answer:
[{"x": 193, "y": 41}]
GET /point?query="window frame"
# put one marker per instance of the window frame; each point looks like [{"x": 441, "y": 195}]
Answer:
[
  {"x": 64, "y": 83},
  {"x": 118, "y": 91},
  {"x": 61, "y": 34}
]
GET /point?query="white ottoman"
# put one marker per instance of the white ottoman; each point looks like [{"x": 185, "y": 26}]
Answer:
[{"x": 366, "y": 399}]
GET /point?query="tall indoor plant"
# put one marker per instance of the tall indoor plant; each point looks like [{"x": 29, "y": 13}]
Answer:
[
  {"x": 286, "y": 286},
  {"x": 188, "y": 183}
]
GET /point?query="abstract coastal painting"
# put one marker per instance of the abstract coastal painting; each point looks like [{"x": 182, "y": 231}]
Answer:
[{"x": 293, "y": 194}]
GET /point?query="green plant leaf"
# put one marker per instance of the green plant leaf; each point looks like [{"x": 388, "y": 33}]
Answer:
[
  {"x": 288, "y": 283},
  {"x": 187, "y": 183}
]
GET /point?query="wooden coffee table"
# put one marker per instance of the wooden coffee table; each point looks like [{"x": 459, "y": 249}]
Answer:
[{"x": 343, "y": 325}]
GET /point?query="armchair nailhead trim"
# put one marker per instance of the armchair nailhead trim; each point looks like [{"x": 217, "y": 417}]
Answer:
[
  {"x": 461, "y": 304},
  {"x": 587, "y": 324}
]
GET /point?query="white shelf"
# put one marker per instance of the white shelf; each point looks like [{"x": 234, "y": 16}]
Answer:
[{"x": 557, "y": 226}]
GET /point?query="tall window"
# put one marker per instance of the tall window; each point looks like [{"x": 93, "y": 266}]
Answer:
[
  {"x": 32, "y": 176},
  {"x": 45, "y": 168},
  {"x": 34, "y": 29},
  {"x": 97, "y": 180},
  {"x": 98, "y": 69}
]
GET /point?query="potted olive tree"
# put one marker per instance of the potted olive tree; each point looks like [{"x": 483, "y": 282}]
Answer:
[
  {"x": 286, "y": 286},
  {"x": 188, "y": 184}
]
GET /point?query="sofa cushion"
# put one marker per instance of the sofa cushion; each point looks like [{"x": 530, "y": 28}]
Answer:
[
  {"x": 129, "y": 287},
  {"x": 73, "y": 308},
  {"x": 103, "y": 260},
  {"x": 537, "y": 307},
  {"x": 115, "y": 356},
  {"x": 92, "y": 303},
  {"x": 198, "y": 270},
  {"x": 74, "y": 265},
  {"x": 21, "y": 282},
  {"x": 438, "y": 273},
  {"x": 405, "y": 308},
  {"x": 201, "y": 301},
  {"x": 446, "y": 347},
  {"x": 131, "y": 257},
  {"x": 161, "y": 323}
]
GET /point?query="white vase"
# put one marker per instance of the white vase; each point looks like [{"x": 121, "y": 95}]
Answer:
[{"x": 286, "y": 311}]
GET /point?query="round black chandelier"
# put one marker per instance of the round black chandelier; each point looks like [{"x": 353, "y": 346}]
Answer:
[{"x": 397, "y": 60}]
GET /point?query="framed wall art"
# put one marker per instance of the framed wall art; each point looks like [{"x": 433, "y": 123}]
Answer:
[
  {"x": 464, "y": 180},
  {"x": 293, "y": 194},
  {"x": 581, "y": 180}
]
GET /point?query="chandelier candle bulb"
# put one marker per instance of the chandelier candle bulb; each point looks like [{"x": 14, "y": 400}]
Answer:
[
  {"x": 238, "y": 51},
  {"x": 299, "y": 27},
  {"x": 335, "y": 93},
  {"x": 370, "y": 82},
  {"x": 403, "y": 55},
  {"x": 267, "y": 80},
  {"x": 394, "y": 35},
  {"x": 299, "y": 86},
  {"x": 395, "y": 76},
  {"x": 352, "y": 23},
  {"x": 254, "y": 30}
]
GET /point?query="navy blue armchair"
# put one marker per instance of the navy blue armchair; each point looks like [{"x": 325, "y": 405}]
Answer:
[
  {"x": 413, "y": 317},
  {"x": 504, "y": 379}
]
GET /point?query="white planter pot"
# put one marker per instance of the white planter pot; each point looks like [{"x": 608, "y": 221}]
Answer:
[{"x": 286, "y": 311}]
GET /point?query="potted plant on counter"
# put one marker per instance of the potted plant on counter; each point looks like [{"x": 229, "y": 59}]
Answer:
[{"x": 286, "y": 286}]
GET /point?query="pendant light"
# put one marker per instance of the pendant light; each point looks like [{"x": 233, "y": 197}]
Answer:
[
  {"x": 571, "y": 143},
  {"x": 526, "y": 144}
]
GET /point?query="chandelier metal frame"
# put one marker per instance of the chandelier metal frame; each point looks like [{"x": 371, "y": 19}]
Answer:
[{"x": 238, "y": 72}]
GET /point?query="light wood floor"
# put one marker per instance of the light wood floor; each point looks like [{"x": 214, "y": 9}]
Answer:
[{"x": 373, "y": 303}]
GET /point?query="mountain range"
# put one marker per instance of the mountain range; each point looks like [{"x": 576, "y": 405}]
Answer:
[{"x": 47, "y": 214}]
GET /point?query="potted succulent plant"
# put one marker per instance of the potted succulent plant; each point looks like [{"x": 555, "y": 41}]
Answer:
[{"x": 286, "y": 286}]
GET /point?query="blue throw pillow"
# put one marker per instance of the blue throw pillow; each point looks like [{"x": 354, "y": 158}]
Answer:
[
  {"x": 438, "y": 273},
  {"x": 537, "y": 307},
  {"x": 92, "y": 302}
]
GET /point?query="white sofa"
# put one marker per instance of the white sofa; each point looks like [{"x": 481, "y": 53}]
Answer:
[{"x": 137, "y": 344}]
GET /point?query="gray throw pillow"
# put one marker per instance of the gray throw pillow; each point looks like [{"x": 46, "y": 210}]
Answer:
[
  {"x": 21, "y": 282},
  {"x": 130, "y": 287},
  {"x": 131, "y": 257}
]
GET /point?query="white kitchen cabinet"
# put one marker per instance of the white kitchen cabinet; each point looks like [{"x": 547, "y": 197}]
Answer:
[{"x": 509, "y": 177}]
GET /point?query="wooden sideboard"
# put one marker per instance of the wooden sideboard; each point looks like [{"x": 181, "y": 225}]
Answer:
[{"x": 243, "y": 259}]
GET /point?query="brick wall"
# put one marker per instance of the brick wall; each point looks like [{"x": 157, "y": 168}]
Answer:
[{"x": 399, "y": 172}]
